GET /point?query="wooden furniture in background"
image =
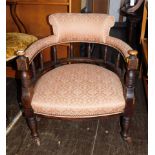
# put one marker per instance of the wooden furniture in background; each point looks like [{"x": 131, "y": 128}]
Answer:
[
  {"x": 121, "y": 16},
  {"x": 144, "y": 48},
  {"x": 98, "y": 6},
  {"x": 133, "y": 24},
  {"x": 15, "y": 40},
  {"x": 34, "y": 15}
]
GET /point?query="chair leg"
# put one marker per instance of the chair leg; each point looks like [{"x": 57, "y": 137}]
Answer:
[
  {"x": 125, "y": 124},
  {"x": 32, "y": 123}
]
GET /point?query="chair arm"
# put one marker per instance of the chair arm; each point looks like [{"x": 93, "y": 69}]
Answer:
[
  {"x": 120, "y": 45},
  {"x": 130, "y": 82},
  {"x": 39, "y": 45}
]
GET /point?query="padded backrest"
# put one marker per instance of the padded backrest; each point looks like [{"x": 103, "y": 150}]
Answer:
[
  {"x": 81, "y": 27},
  {"x": 76, "y": 27}
]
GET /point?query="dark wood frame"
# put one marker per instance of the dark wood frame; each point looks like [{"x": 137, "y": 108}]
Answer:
[{"x": 29, "y": 76}]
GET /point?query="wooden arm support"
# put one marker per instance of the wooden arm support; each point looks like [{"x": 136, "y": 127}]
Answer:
[
  {"x": 130, "y": 81},
  {"x": 27, "y": 87},
  {"x": 132, "y": 65},
  {"x": 27, "y": 94}
]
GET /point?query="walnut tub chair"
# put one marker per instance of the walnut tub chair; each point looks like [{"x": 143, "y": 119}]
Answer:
[{"x": 79, "y": 87}]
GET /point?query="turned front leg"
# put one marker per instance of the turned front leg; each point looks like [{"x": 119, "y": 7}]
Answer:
[
  {"x": 27, "y": 93},
  {"x": 32, "y": 123},
  {"x": 125, "y": 124}
]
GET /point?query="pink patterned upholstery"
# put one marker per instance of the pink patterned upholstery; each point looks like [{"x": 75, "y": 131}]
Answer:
[
  {"x": 78, "y": 90},
  {"x": 75, "y": 27},
  {"x": 119, "y": 45},
  {"x": 81, "y": 27},
  {"x": 39, "y": 45}
]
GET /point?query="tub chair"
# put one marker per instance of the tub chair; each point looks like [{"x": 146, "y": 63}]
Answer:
[{"x": 79, "y": 87}]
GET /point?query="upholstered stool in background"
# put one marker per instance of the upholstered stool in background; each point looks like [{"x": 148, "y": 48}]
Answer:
[{"x": 16, "y": 41}]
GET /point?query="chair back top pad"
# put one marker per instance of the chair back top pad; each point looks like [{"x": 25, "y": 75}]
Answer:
[{"x": 81, "y": 27}]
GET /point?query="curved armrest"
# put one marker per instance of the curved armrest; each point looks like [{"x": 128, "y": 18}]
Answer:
[
  {"x": 39, "y": 45},
  {"x": 119, "y": 45}
]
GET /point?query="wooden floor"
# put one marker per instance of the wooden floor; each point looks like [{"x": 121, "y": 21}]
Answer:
[{"x": 82, "y": 137}]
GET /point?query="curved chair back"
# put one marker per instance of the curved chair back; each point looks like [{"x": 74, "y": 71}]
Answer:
[{"x": 75, "y": 27}]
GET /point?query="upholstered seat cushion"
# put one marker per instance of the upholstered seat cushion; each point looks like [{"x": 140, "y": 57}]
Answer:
[
  {"x": 78, "y": 90},
  {"x": 17, "y": 41}
]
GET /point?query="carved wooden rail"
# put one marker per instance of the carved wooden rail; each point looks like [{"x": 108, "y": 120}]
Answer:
[
  {"x": 112, "y": 60},
  {"x": 118, "y": 65}
]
